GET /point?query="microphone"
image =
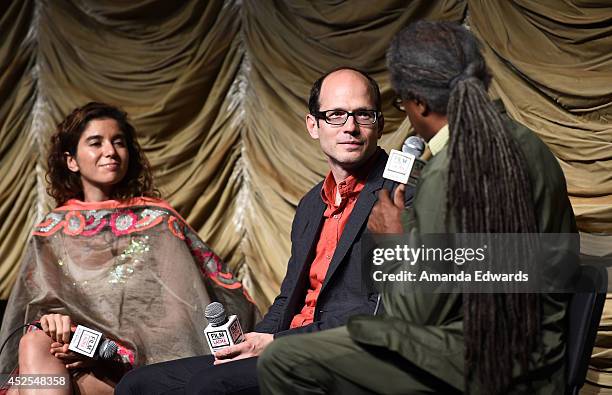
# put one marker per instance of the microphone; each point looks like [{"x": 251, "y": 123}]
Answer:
[
  {"x": 405, "y": 166},
  {"x": 91, "y": 343},
  {"x": 414, "y": 145},
  {"x": 222, "y": 331}
]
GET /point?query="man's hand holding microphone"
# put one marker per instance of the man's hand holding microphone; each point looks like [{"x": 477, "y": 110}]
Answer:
[
  {"x": 226, "y": 340},
  {"x": 403, "y": 167}
]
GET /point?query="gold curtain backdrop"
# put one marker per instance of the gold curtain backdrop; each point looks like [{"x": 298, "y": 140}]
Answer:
[
  {"x": 552, "y": 62},
  {"x": 218, "y": 92}
]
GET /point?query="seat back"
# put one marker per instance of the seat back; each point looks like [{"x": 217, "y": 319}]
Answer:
[{"x": 584, "y": 313}]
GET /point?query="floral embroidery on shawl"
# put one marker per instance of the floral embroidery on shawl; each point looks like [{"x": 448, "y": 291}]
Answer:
[
  {"x": 79, "y": 219},
  {"x": 123, "y": 222},
  {"x": 175, "y": 227},
  {"x": 210, "y": 264},
  {"x": 74, "y": 223}
]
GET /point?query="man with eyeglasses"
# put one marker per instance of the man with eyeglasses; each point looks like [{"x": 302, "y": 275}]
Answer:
[
  {"x": 323, "y": 286},
  {"x": 487, "y": 174}
]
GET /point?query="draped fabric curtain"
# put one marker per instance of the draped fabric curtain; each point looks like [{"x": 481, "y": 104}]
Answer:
[
  {"x": 218, "y": 92},
  {"x": 552, "y": 62}
]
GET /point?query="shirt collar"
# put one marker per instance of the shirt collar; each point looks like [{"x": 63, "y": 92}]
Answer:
[
  {"x": 439, "y": 141},
  {"x": 349, "y": 187}
]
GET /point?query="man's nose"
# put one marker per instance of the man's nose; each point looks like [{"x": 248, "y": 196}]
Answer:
[{"x": 350, "y": 126}]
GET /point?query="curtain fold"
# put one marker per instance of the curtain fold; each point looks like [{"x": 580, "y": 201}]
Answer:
[
  {"x": 552, "y": 63},
  {"x": 218, "y": 93},
  {"x": 18, "y": 187}
]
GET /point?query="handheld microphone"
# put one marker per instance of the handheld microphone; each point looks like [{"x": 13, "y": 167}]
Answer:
[
  {"x": 414, "y": 145},
  {"x": 222, "y": 331},
  {"x": 91, "y": 343},
  {"x": 405, "y": 166}
]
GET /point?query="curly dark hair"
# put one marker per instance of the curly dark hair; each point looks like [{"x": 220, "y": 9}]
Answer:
[{"x": 64, "y": 184}]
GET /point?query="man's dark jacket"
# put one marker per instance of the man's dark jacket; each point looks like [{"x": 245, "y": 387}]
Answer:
[{"x": 344, "y": 292}]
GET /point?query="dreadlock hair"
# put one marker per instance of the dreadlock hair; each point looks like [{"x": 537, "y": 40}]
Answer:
[{"x": 489, "y": 190}]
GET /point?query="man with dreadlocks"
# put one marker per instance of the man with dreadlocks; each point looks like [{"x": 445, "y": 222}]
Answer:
[{"x": 488, "y": 174}]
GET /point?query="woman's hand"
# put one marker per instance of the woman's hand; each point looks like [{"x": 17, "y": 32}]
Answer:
[
  {"x": 57, "y": 327},
  {"x": 71, "y": 359}
]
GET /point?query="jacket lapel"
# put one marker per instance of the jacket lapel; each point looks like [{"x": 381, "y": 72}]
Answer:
[
  {"x": 359, "y": 216},
  {"x": 306, "y": 243},
  {"x": 311, "y": 232}
]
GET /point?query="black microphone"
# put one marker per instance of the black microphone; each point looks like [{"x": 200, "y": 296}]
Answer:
[
  {"x": 89, "y": 342},
  {"x": 222, "y": 331}
]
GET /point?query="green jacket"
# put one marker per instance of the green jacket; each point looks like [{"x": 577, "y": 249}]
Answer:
[{"x": 427, "y": 329}]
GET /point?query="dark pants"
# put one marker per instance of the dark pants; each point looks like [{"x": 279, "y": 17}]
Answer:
[{"x": 196, "y": 375}]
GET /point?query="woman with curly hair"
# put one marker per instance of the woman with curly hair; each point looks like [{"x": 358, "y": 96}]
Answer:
[{"x": 113, "y": 257}]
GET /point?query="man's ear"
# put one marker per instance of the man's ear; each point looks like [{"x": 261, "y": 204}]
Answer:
[
  {"x": 312, "y": 124},
  {"x": 71, "y": 162},
  {"x": 422, "y": 107}
]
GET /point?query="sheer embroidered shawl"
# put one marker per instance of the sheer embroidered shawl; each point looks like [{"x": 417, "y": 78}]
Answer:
[{"x": 134, "y": 271}]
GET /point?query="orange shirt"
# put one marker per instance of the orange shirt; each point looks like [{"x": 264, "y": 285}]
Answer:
[{"x": 334, "y": 220}]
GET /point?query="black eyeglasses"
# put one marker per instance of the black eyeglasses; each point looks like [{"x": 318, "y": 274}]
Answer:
[
  {"x": 339, "y": 117},
  {"x": 398, "y": 103}
]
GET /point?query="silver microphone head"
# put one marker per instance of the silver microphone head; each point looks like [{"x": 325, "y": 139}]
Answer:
[
  {"x": 107, "y": 349},
  {"x": 215, "y": 314},
  {"x": 414, "y": 145}
]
